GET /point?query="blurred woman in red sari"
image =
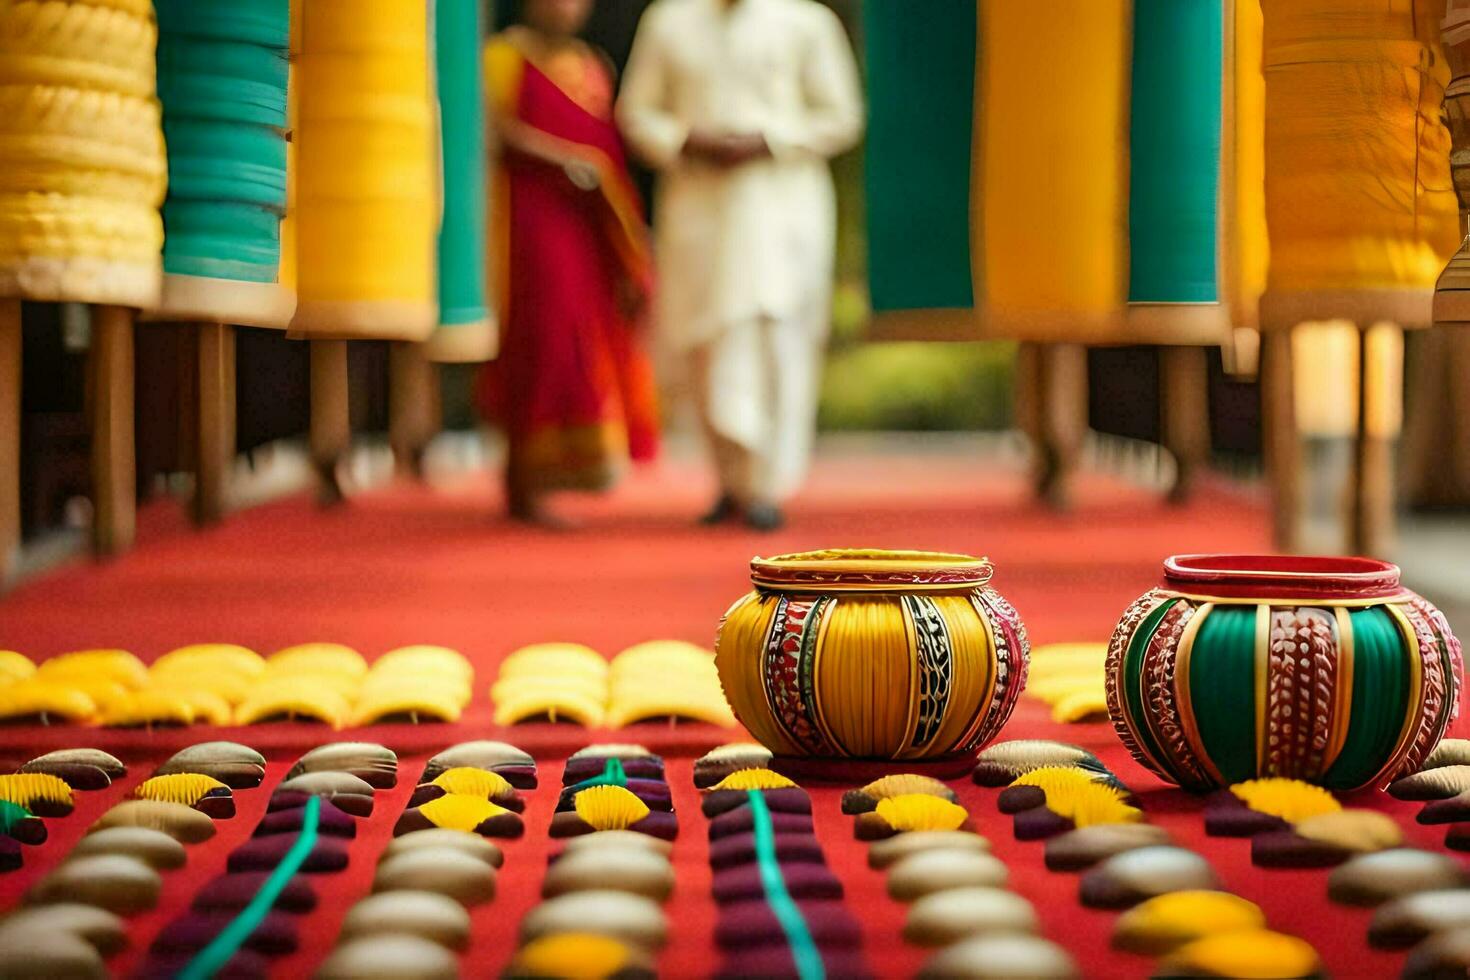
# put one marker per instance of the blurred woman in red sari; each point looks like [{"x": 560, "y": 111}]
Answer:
[{"x": 571, "y": 389}]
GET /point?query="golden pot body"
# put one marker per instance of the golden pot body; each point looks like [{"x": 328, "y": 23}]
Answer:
[{"x": 872, "y": 655}]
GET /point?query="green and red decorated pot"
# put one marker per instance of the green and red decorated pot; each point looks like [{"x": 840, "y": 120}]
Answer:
[{"x": 1321, "y": 669}]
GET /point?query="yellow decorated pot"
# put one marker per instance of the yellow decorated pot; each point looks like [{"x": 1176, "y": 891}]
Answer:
[{"x": 872, "y": 655}]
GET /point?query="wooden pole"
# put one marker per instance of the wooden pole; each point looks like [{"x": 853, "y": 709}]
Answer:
[
  {"x": 1030, "y": 409},
  {"x": 10, "y": 411},
  {"x": 1027, "y": 398},
  {"x": 1184, "y": 404},
  {"x": 411, "y": 406},
  {"x": 331, "y": 421},
  {"x": 231, "y": 404},
  {"x": 1051, "y": 409},
  {"x": 1063, "y": 406},
  {"x": 214, "y": 432},
  {"x": 114, "y": 466},
  {"x": 1280, "y": 442}
]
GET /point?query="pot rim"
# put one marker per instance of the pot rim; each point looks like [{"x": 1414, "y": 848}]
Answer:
[
  {"x": 870, "y": 569},
  {"x": 1287, "y": 576}
]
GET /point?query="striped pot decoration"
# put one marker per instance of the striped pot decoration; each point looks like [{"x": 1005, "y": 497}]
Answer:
[
  {"x": 1347, "y": 679},
  {"x": 874, "y": 655},
  {"x": 1109, "y": 151}
]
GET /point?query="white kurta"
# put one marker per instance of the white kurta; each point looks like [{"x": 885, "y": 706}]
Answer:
[{"x": 746, "y": 249}]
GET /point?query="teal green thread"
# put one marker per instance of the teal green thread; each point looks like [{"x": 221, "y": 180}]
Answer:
[
  {"x": 222, "y": 83},
  {"x": 11, "y": 814},
  {"x": 214, "y": 956},
  {"x": 613, "y": 774},
  {"x": 804, "y": 952}
]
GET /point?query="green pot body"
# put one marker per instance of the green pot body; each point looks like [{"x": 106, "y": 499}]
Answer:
[{"x": 1322, "y": 670}]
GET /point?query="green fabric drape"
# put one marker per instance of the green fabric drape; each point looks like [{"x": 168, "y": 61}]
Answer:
[
  {"x": 1174, "y": 148},
  {"x": 222, "y": 82},
  {"x": 921, "y": 81},
  {"x": 458, "y": 37}
]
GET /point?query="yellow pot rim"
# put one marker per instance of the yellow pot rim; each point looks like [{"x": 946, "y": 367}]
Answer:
[{"x": 870, "y": 570}]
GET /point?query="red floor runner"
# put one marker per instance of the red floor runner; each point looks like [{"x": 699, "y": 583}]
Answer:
[
  {"x": 410, "y": 565},
  {"x": 407, "y": 565}
]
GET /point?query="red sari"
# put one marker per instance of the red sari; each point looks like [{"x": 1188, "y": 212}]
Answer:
[{"x": 571, "y": 388}]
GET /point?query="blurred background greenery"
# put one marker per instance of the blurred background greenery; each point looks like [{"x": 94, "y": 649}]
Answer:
[{"x": 899, "y": 387}]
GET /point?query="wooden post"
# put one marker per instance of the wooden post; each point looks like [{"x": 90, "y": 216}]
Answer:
[
  {"x": 10, "y": 394},
  {"x": 1280, "y": 442},
  {"x": 1063, "y": 406},
  {"x": 1184, "y": 405},
  {"x": 214, "y": 415},
  {"x": 1051, "y": 408},
  {"x": 114, "y": 467},
  {"x": 231, "y": 405},
  {"x": 412, "y": 419},
  {"x": 331, "y": 421},
  {"x": 1027, "y": 398},
  {"x": 1380, "y": 399}
]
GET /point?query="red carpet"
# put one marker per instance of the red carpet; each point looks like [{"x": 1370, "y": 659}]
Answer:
[{"x": 411, "y": 565}]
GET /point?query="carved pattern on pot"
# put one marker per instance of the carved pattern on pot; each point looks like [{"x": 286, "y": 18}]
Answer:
[
  {"x": 1302, "y": 669},
  {"x": 1113, "y": 669}
]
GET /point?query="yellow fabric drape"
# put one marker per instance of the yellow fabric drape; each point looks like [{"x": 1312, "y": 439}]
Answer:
[
  {"x": 367, "y": 177},
  {"x": 1050, "y": 179},
  {"x": 1247, "y": 245},
  {"x": 1358, "y": 190},
  {"x": 1249, "y": 255},
  {"x": 82, "y": 169}
]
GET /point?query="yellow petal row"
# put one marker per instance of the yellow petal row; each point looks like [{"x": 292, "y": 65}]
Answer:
[
  {"x": 1069, "y": 677},
  {"x": 223, "y": 684},
  {"x": 568, "y": 681}
]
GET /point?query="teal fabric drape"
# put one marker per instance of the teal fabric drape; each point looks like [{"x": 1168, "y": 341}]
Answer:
[
  {"x": 458, "y": 36},
  {"x": 921, "y": 82},
  {"x": 222, "y": 74},
  {"x": 1174, "y": 148}
]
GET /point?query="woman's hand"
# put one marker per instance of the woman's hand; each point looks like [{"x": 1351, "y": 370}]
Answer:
[{"x": 583, "y": 175}]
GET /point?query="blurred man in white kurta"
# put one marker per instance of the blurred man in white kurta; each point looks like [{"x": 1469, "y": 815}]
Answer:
[{"x": 739, "y": 104}]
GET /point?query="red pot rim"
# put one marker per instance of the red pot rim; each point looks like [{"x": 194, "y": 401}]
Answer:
[{"x": 1285, "y": 576}]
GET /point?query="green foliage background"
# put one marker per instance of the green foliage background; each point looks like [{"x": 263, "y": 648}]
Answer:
[{"x": 899, "y": 387}]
